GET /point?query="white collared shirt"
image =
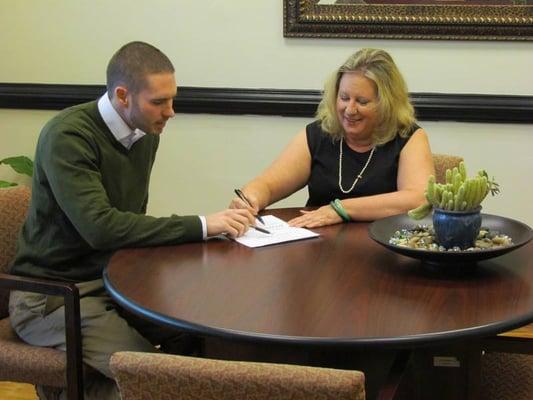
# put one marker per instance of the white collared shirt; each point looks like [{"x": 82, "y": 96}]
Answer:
[
  {"x": 120, "y": 130},
  {"x": 125, "y": 135}
]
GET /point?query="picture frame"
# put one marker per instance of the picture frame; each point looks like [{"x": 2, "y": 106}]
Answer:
[{"x": 409, "y": 19}]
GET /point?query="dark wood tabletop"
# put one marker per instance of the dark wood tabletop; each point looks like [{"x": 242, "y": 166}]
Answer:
[{"x": 339, "y": 289}]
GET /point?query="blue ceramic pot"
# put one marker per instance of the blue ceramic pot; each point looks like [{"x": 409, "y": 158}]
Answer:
[{"x": 456, "y": 228}]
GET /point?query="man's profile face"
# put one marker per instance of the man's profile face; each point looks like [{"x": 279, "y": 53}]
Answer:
[{"x": 151, "y": 107}]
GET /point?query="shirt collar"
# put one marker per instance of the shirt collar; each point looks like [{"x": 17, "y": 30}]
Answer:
[{"x": 120, "y": 130}]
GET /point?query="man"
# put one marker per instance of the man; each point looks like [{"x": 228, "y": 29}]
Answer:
[{"x": 89, "y": 197}]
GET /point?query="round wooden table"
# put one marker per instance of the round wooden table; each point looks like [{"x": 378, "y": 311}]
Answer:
[{"x": 340, "y": 289}]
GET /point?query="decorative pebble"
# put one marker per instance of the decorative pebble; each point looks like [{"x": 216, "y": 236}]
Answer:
[{"x": 422, "y": 237}]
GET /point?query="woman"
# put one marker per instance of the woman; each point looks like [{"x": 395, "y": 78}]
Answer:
[{"x": 364, "y": 157}]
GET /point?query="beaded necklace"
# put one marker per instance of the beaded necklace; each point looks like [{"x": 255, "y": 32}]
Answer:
[{"x": 359, "y": 176}]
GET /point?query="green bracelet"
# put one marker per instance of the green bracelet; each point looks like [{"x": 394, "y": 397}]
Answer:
[{"x": 339, "y": 209}]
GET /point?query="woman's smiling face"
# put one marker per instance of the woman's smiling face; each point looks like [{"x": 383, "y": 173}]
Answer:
[{"x": 357, "y": 107}]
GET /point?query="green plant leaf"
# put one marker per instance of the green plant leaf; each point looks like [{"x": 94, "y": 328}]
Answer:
[
  {"x": 21, "y": 164},
  {"x": 4, "y": 184}
]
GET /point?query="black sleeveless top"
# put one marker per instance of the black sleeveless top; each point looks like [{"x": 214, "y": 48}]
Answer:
[{"x": 379, "y": 177}]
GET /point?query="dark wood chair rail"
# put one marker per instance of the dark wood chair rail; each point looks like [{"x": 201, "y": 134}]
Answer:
[
  {"x": 286, "y": 102},
  {"x": 341, "y": 289}
]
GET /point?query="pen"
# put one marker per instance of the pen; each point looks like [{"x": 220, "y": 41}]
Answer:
[
  {"x": 260, "y": 229},
  {"x": 241, "y": 195}
]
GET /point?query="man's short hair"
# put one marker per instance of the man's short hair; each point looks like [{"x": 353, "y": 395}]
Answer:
[{"x": 130, "y": 65}]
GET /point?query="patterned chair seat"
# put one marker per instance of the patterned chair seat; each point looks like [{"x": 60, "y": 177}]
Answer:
[
  {"x": 20, "y": 362},
  {"x": 507, "y": 376}
]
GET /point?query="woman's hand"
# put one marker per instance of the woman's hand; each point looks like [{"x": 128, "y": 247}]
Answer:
[
  {"x": 250, "y": 205},
  {"x": 323, "y": 216}
]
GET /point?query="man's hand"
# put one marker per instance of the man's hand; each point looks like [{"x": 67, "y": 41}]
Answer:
[
  {"x": 323, "y": 216},
  {"x": 233, "y": 222}
]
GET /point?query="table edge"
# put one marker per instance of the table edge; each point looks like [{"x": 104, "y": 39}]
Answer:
[{"x": 384, "y": 342}]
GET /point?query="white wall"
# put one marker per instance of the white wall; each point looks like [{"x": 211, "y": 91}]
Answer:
[{"x": 241, "y": 44}]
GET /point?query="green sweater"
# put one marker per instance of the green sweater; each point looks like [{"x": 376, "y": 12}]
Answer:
[{"x": 89, "y": 196}]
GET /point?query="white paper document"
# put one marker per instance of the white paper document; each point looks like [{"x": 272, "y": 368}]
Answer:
[{"x": 279, "y": 230}]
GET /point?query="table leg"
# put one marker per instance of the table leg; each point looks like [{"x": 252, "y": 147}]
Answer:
[{"x": 450, "y": 371}]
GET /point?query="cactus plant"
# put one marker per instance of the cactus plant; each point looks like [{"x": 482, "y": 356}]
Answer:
[{"x": 458, "y": 193}]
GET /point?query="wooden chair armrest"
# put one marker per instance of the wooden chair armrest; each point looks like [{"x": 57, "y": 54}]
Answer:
[
  {"x": 71, "y": 296},
  {"x": 35, "y": 285}
]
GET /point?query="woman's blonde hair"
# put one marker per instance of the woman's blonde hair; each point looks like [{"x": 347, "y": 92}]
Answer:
[{"x": 395, "y": 112}]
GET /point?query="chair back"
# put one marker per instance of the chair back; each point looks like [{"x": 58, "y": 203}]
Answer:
[
  {"x": 443, "y": 162},
  {"x": 14, "y": 202},
  {"x": 506, "y": 376},
  {"x": 154, "y": 375}
]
